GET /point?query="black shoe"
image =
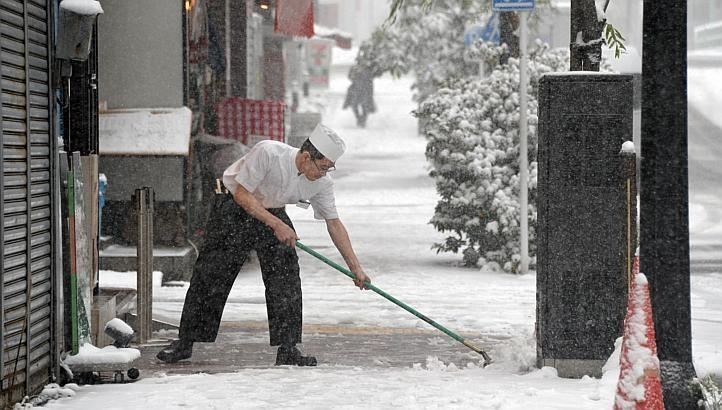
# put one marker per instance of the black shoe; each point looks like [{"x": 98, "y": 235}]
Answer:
[
  {"x": 177, "y": 350},
  {"x": 290, "y": 355}
]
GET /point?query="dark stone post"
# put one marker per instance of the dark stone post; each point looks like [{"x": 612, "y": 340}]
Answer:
[
  {"x": 583, "y": 248},
  {"x": 664, "y": 246}
]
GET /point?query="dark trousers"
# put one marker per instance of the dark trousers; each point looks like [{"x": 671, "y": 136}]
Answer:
[
  {"x": 361, "y": 114},
  {"x": 230, "y": 235}
]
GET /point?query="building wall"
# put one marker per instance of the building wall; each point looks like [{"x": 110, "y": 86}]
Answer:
[{"x": 140, "y": 54}]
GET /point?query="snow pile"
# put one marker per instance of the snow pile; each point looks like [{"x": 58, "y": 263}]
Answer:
[
  {"x": 52, "y": 391},
  {"x": 435, "y": 365}
]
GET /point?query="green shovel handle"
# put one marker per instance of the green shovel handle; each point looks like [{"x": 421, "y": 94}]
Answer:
[{"x": 399, "y": 303}]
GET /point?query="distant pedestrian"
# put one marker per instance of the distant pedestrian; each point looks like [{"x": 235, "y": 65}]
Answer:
[
  {"x": 360, "y": 94},
  {"x": 249, "y": 214}
]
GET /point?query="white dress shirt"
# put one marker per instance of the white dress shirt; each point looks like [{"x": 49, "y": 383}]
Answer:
[{"x": 270, "y": 174}]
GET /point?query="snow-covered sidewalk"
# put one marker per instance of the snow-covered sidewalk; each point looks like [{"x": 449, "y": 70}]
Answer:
[{"x": 386, "y": 199}]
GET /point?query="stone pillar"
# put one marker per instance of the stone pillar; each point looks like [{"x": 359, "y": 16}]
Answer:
[{"x": 582, "y": 243}]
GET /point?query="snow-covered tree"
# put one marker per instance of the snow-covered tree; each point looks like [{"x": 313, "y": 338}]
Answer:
[
  {"x": 472, "y": 127},
  {"x": 588, "y": 22},
  {"x": 424, "y": 40}
]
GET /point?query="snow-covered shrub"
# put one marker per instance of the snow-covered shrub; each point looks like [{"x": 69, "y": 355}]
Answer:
[
  {"x": 709, "y": 392},
  {"x": 472, "y": 128}
]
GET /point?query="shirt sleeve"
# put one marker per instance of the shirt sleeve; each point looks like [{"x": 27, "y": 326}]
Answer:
[
  {"x": 324, "y": 203},
  {"x": 253, "y": 167}
]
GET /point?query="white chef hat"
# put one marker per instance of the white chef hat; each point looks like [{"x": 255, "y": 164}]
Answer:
[{"x": 327, "y": 142}]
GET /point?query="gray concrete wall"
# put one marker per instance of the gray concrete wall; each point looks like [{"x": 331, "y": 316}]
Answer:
[{"x": 140, "y": 57}]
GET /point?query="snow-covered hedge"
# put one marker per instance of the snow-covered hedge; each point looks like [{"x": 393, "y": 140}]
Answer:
[{"x": 472, "y": 128}]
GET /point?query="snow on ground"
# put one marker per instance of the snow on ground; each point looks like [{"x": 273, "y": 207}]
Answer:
[
  {"x": 429, "y": 385},
  {"x": 705, "y": 91},
  {"x": 386, "y": 199},
  {"x": 704, "y": 83}
]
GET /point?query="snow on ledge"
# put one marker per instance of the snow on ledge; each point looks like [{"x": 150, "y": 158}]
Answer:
[
  {"x": 573, "y": 73},
  {"x": 328, "y": 31},
  {"x": 82, "y": 7},
  {"x": 145, "y": 131}
]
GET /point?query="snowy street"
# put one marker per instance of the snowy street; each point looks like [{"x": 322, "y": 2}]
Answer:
[{"x": 385, "y": 198}]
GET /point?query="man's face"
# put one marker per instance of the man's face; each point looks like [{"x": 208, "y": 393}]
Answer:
[{"x": 317, "y": 168}]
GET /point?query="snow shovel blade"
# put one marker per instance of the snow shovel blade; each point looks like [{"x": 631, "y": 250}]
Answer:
[{"x": 487, "y": 359}]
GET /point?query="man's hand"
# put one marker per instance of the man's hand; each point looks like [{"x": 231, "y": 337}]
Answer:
[
  {"x": 361, "y": 279},
  {"x": 285, "y": 234}
]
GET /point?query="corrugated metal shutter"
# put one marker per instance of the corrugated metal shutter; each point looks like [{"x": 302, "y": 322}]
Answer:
[{"x": 26, "y": 231}]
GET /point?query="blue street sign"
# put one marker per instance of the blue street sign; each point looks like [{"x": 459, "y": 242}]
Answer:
[
  {"x": 491, "y": 30},
  {"x": 488, "y": 32},
  {"x": 512, "y": 5}
]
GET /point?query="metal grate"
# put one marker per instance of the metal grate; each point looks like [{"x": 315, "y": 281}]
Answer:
[{"x": 25, "y": 195}]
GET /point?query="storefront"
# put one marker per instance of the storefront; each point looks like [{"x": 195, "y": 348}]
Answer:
[{"x": 29, "y": 188}]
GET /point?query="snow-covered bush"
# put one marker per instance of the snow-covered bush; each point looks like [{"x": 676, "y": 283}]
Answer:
[
  {"x": 472, "y": 128},
  {"x": 709, "y": 392}
]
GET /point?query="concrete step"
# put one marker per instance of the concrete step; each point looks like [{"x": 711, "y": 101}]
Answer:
[{"x": 176, "y": 263}]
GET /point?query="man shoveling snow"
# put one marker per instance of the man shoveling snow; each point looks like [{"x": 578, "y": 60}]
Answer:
[{"x": 249, "y": 214}]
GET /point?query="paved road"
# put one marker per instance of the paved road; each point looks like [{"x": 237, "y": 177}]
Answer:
[{"x": 705, "y": 193}]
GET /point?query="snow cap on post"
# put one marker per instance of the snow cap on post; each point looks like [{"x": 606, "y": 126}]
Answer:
[
  {"x": 627, "y": 148},
  {"x": 327, "y": 142},
  {"x": 82, "y": 7}
]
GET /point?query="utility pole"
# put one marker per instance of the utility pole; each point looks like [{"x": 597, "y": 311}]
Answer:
[
  {"x": 664, "y": 218},
  {"x": 585, "y": 49}
]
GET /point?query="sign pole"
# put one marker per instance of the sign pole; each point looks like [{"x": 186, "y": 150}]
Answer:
[
  {"x": 523, "y": 7},
  {"x": 523, "y": 150}
]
